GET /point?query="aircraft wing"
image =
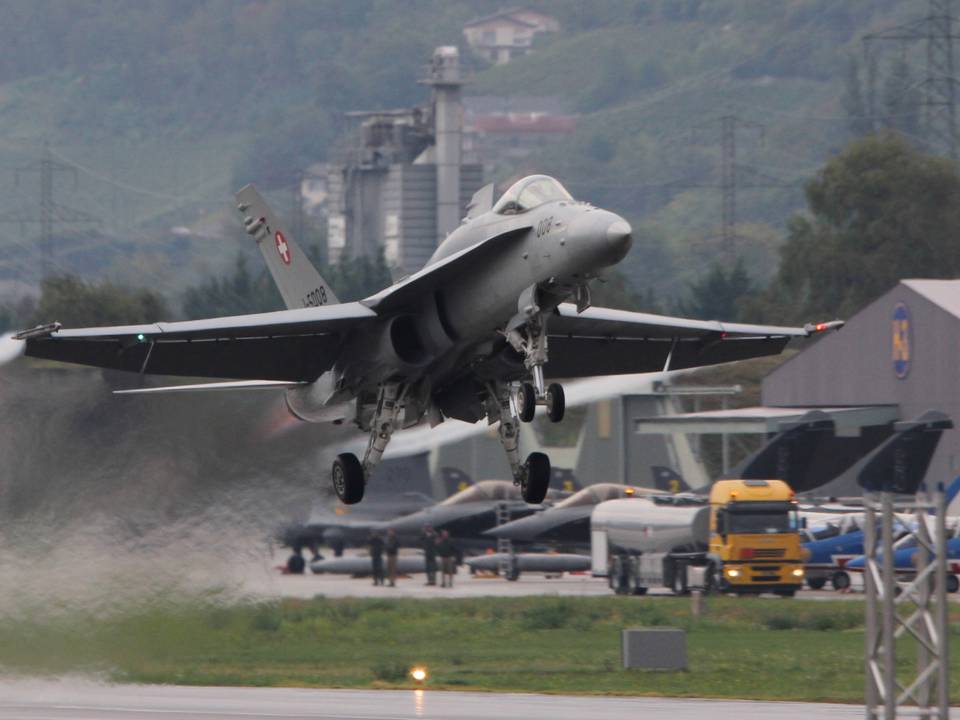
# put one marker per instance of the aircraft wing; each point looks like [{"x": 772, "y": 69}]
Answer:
[
  {"x": 603, "y": 341},
  {"x": 289, "y": 345}
]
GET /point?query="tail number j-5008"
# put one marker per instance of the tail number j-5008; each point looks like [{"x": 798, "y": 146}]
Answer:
[{"x": 315, "y": 298}]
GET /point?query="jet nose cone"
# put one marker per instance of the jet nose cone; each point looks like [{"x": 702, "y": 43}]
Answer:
[{"x": 619, "y": 237}]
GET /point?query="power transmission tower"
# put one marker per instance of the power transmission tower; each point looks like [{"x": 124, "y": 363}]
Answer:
[
  {"x": 939, "y": 85},
  {"x": 730, "y": 125},
  {"x": 50, "y": 212}
]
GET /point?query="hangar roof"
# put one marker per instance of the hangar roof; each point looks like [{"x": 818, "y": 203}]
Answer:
[
  {"x": 943, "y": 293},
  {"x": 765, "y": 420}
]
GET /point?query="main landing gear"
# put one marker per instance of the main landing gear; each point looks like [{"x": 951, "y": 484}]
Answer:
[{"x": 349, "y": 474}]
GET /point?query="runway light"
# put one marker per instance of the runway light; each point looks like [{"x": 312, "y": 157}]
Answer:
[
  {"x": 419, "y": 674},
  {"x": 798, "y": 572}
]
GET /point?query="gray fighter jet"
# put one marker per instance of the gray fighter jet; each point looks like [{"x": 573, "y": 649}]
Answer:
[{"x": 466, "y": 337}]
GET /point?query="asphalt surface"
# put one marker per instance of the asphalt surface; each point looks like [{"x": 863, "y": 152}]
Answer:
[{"x": 79, "y": 700}]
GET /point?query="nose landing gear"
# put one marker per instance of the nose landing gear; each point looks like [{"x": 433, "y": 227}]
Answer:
[{"x": 533, "y": 476}]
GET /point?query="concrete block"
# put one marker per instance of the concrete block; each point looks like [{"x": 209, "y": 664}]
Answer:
[{"x": 654, "y": 648}]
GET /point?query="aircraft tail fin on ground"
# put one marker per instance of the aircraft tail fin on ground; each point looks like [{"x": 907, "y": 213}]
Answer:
[
  {"x": 668, "y": 479},
  {"x": 297, "y": 279}
]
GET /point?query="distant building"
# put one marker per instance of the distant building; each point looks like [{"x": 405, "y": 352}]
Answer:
[
  {"x": 507, "y": 34},
  {"x": 402, "y": 186},
  {"x": 505, "y": 130}
]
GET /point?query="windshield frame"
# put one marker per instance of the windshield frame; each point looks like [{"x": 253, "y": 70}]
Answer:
[{"x": 513, "y": 202}]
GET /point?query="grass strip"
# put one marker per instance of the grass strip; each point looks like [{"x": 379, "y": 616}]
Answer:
[{"x": 759, "y": 648}]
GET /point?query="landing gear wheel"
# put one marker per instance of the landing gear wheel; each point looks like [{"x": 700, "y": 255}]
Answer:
[
  {"x": 536, "y": 478},
  {"x": 527, "y": 402},
  {"x": 348, "y": 478},
  {"x": 840, "y": 580},
  {"x": 556, "y": 403},
  {"x": 296, "y": 564}
]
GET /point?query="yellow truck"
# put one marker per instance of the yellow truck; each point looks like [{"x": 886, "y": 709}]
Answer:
[{"x": 744, "y": 538}]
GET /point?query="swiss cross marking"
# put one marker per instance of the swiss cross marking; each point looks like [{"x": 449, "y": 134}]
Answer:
[{"x": 283, "y": 250}]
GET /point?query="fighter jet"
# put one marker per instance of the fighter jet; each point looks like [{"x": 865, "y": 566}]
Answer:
[
  {"x": 476, "y": 333},
  {"x": 568, "y": 522},
  {"x": 466, "y": 514}
]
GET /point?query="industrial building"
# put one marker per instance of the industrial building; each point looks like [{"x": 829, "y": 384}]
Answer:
[{"x": 403, "y": 185}]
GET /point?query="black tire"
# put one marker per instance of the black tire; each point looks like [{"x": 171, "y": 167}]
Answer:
[
  {"x": 679, "y": 585},
  {"x": 348, "y": 478},
  {"x": 556, "y": 402},
  {"x": 513, "y": 572},
  {"x": 527, "y": 402},
  {"x": 953, "y": 583},
  {"x": 840, "y": 580},
  {"x": 337, "y": 547},
  {"x": 816, "y": 583},
  {"x": 786, "y": 593},
  {"x": 296, "y": 564},
  {"x": 536, "y": 478}
]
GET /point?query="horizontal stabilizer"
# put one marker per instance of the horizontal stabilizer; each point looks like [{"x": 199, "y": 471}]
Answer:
[{"x": 238, "y": 385}]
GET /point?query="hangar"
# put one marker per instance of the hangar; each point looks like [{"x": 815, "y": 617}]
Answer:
[{"x": 900, "y": 352}]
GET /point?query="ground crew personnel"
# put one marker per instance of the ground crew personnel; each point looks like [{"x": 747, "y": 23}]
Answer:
[
  {"x": 376, "y": 557},
  {"x": 392, "y": 548},
  {"x": 430, "y": 554},
  {"x": 447, "y": 553}
]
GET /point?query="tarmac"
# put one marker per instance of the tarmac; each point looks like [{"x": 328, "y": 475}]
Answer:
[
  {"x": 83, "y": 700},
  {"x": 267, "y": 580}
]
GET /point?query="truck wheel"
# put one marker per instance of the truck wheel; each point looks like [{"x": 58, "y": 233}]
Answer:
[
  {"x": 840, "y": 580},
  {"x": 816, "y": 583},
  {"x": 679, "y": 579},
  {"x": 953, "y": 583}
]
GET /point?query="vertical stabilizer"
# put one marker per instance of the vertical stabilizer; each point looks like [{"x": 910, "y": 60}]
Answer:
[{"x": 297, "y": 279}]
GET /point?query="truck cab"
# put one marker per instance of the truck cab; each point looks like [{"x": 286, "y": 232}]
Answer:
[{"x": 754, "y": 537}]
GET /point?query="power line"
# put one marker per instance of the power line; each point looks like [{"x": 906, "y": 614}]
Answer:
[
  {"x": 49, "y": 213},
  {"x": 939, "y": 83}
]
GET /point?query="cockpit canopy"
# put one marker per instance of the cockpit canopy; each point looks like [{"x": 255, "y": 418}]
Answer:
[
  {"x": 530, "y": 192},
  {"x": 597, "y": 493}
]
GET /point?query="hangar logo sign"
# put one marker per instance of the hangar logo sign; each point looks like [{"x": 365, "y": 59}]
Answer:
[{"x": 902, "y": 341}]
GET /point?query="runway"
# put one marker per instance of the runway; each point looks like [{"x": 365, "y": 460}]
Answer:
[{"x": 83, "y": 700}]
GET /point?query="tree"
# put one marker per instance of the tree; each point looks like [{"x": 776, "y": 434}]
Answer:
[
  {"x": 718, "y": 294},
  {"x": 76, "y": 303},
  {"x": 236, "y": 294},
  {"x": 878, "y": 212}
]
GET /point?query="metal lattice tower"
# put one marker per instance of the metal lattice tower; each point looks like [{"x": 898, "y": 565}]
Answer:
[
  {"x": 730, "y": 125},
  {"x": 900, "y": 612},
  {"x": 50, "y": 212},
  {"x": 936, "y": 30}
]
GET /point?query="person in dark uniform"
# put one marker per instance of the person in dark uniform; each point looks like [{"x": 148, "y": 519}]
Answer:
[
  {"x": 376, "y": 557},
  {"x": 430, "y": 554},
  {"x": 447, "y": 553},
  {"x": 392, "y": 548}
]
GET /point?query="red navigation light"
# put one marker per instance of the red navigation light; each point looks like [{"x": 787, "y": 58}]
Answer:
[{"x": 821, "y": 327}]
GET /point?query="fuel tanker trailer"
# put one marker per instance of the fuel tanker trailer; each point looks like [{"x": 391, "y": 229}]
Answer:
[{"x": 743, "y": 539}]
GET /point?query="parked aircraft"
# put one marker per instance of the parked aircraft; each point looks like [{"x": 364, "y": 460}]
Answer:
[{"x": 466, "y": 337}]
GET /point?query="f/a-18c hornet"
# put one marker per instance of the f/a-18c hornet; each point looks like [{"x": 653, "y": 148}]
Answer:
[{"x": 478, "y": 332}]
